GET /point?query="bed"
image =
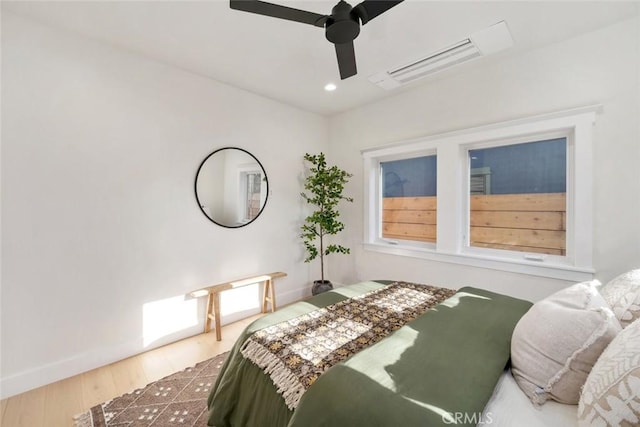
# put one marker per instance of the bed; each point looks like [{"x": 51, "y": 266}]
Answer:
[
  {"x": 509, "y": 407},
  {"x": 441, "y": 368}
]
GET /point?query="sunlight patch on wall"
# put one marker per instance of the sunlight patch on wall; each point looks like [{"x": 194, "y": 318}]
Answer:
[
  {"x": 240, "y": 299},
  {"x": 167, "y": 316}
]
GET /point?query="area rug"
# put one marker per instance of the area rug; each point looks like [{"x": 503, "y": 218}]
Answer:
[{"x": 179, "y": 399}]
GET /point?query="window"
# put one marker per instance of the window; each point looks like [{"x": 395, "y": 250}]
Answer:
[
  {"x": 510, "y": 196},
  {"x": 409, "y": 199},
  {"x": 518, "y": 197}
]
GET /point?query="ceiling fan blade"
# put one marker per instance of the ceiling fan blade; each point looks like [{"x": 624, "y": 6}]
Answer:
[
  {"x": 346, "y": 59},
  {"x": 278, "y": 11},
  {"x": 369, "y": 9}
]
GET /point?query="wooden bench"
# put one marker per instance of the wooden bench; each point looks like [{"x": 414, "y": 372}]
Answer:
[{"x": 213, "y": 293}]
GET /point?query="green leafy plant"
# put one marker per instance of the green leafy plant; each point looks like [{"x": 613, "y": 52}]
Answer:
[{"x": 325, "y": 185}]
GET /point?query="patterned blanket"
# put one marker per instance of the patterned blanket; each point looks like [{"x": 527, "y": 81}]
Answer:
[{"x": 294, "y": 353}]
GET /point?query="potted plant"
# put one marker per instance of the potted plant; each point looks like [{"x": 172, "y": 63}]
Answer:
[{"x": 325, "y": 185}]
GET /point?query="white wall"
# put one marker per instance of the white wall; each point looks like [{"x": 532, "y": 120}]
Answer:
[
  {"x": 101, "y": 233},
  {"x": 602, "y": 67}
]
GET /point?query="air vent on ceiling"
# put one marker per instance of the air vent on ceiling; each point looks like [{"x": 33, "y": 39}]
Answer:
[{"x": 482, "y": 43}]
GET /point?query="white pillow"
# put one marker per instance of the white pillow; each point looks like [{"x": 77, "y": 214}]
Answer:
[
  {"x": 611, "y": 395},
  {"x": 623, "y": 296},
  {"x": 557, "y": 342}
]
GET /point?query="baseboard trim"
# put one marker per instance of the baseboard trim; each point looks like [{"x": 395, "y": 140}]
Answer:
[{"x": 55, "y": 371}]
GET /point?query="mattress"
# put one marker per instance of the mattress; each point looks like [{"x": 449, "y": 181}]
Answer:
[{"x": 509, "y": 407}]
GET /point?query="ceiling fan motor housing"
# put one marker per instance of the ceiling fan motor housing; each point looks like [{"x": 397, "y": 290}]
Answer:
[{"x": 343, "y": 26}]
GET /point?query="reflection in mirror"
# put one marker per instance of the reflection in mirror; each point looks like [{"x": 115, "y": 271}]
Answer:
[{"x": 231, "y": 187}]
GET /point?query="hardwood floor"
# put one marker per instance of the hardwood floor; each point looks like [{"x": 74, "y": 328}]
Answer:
[{"x": 54, "y": 405}]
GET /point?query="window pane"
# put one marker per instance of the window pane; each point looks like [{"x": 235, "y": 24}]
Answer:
[
  {"x": 518, "y": 197},
  {"x": 409, "y": 199}
]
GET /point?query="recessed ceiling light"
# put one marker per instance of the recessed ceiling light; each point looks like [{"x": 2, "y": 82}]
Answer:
[{"x": 330, "y": 87}]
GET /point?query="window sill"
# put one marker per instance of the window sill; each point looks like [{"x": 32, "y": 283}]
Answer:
[{"x": 533, "y": 268}]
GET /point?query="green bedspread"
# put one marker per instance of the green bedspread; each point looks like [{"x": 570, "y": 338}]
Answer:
[{"x": 444, "y": 363}]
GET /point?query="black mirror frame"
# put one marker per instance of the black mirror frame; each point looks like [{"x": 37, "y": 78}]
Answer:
[{"x": 195, "y": 188}]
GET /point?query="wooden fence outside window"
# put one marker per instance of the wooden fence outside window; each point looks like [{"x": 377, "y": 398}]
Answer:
[{"x": 534, "y": 222}]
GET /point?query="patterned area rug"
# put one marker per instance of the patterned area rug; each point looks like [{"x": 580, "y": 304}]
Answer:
[{"x": 177, "y": 400}]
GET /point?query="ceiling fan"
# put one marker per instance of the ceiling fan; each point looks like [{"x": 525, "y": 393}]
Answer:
[{"x": 341, "y": 27}]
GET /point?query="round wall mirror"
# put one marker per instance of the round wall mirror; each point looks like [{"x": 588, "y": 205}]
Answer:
[{"x": 231, "y": 187}]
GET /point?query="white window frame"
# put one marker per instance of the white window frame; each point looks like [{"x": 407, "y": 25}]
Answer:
[{"x": 452, "y": 150}]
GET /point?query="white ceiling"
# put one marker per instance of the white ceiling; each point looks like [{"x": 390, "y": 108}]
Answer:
[{"x": 292, "y": 62}]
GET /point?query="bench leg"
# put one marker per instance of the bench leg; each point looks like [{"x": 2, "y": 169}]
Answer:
[
  {"x": 216, "y": 314},
  {"x": 268, "y": 296},
  {"x": 272, "y": 291},
  {"x": 213, "y": 313},
  {"x": 207, "y": 315},
  {"x": 265, "y": 295}
]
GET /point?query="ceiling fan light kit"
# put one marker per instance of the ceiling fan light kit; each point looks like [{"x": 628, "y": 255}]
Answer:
[
  {"x": 485, "y": 42},
  {"x": 342, "y": 26}
]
